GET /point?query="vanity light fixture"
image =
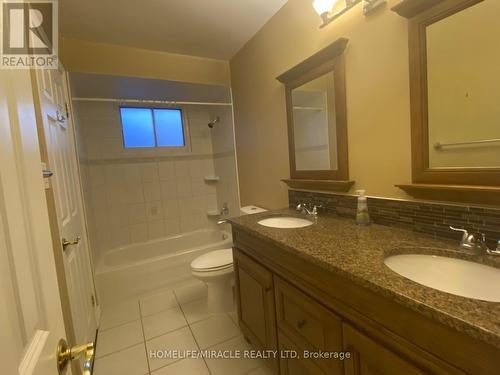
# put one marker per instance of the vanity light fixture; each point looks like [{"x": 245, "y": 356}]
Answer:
[
  {"x": 371, "y": 5},
  {"x": 324, "y": 8}
]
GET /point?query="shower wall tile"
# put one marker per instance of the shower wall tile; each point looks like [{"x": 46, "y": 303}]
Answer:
[
  {"x": 97, "y": 175},
  {"x": 152, "y": 191},
  {"x": 172, "y": 227},
  {"x": 181, "y": 169},
  {"x": 154, "y": 211},
  {"x": 132, "y": 173},
  {"x": 138, "y": 233},
  {"x": 118, "y": 216},
  {"x": 120, "y": 236},
  {"x": 98, "y": 196},
  {"x": 150, "y": 172},
  {"x": 136, "y": 213},
  {"x": 168, "y": 190},
  {"x": 183, "y": 187},
  {"x": 166, "y": 171},
  {"x": 170, "y": 209},
  {"x": 156, "y": 229},
  {"x": 135, "y": 195},
  {"x": 224, "y": 162}
]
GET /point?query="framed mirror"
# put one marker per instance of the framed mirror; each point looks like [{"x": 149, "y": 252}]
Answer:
[
  {"x": 454, "y": 78},
  {"x": 316, "y": 117}
]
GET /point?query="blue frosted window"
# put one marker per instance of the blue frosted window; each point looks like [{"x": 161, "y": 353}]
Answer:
[
  {"x": 152, "y": 127},
  {"x": 137, "y": 126},
  {"x": 169, "y": 130}
]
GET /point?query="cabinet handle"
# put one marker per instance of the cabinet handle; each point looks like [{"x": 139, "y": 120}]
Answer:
[{"x": 301, "y": 323}]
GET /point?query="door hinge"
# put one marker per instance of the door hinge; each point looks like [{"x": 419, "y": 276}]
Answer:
[
  {"x": 92, "y": 298},
  {"x": 67, "y": 110}
]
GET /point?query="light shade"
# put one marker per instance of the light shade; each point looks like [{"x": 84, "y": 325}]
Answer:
[{"x": 323, "y": 6}]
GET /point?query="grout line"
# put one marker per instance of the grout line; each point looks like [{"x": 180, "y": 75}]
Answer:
[
  {"x": 201, "y": 320},
  {"x": 180, "y": 307},
  {"x": 192, "y": 333},
  {"x": 144, "y": 338},
  {"x": 120, "y": 325},
  {"x": 225, "y": 341},
  {"x": 166, "y": 333},
  {"x": 160, "y": 312},
  {"x": 118, "y": 351},
  {"x": 175, "y": 330}
]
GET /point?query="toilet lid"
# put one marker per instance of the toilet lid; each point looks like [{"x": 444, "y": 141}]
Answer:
[{"x": 214, "y": 259}]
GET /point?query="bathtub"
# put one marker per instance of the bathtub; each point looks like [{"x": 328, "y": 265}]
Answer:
[{"x": 138, "y": 269}]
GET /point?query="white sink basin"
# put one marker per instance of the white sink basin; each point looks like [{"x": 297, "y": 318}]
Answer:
[
  {"x": 285, "y": 222},
  {"x": 455, "y": 276}
]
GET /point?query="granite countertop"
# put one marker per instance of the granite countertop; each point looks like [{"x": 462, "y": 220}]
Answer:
[{"x": 357, "y": 253}]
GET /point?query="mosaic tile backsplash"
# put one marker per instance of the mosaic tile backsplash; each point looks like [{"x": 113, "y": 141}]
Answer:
[{"x": 424, "y": 217}]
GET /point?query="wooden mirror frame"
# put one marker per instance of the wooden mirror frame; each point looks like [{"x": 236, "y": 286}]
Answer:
[
  {"x": 422, "y": 13},
  {"x": 329, "y": 59}
]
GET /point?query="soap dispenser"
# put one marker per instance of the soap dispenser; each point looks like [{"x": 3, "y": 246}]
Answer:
[{"x": 362, "y": 216}]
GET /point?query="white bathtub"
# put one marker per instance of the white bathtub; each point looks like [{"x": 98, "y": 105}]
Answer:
[{"x": 160, "y": 264}]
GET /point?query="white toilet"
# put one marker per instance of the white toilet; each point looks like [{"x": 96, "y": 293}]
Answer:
[{"x": 216, "y": 270}]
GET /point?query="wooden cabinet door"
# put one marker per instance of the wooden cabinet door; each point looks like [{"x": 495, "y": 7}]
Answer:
[
  {"x": 295, "y": 366},
  {"x": 310, "y": 326},
  {"x": 255, "y": 300},
  {"x": 371, "y": 358}
]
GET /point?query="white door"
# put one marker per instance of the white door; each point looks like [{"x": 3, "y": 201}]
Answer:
[
  {"x": 31, "y": 321},
  {"x": 61, "y": 148}
]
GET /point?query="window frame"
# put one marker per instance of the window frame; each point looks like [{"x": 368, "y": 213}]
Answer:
[{"x": 184, "y": 124}]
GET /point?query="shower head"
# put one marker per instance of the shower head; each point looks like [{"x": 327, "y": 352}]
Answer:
[{"x": 213, "y": 122}]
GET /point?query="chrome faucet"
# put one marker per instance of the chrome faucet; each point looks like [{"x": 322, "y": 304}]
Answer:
[
  {"x": 307, "y": 209},
  {"x": 476, "y": 242}
]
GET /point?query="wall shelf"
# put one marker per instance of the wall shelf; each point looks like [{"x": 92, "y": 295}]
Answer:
[
  {"x": 328, "y": 185},
  {"x": 454, "y": 193}
]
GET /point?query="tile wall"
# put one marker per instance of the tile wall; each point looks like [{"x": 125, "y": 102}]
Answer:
[
  {"x": 224, "y": 160},
  {"x": 136, "y": 195}
]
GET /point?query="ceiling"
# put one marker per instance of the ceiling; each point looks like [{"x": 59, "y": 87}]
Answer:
[{"x": 205, "y": 28}]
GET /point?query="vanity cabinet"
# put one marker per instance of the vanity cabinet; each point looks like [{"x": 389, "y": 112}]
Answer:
[
  {"x": 255, "y": 300},
  {"x": 308, "y": 324},
  {"x": 294, "y": 366},
  {"x": 288, "y": 304},
  {"x": 372, "y": 358}
]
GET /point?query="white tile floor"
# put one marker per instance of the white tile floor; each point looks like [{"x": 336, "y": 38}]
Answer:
[{"x": 170, "y": 320}]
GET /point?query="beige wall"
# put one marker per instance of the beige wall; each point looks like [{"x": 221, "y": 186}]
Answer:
[
  {"x": 378, "y": 103},
  {"x": 88, "y": 57}
]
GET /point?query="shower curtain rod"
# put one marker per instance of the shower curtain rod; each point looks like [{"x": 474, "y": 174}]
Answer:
[{"x": 149, "y": 101}]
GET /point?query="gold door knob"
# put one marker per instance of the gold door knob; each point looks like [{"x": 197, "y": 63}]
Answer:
[
  {"x": 66, "y": 243},
  {"x": 65, "y": 355}
]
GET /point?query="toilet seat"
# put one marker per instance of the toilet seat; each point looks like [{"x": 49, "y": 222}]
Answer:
[{"x": 217, "y": 260}]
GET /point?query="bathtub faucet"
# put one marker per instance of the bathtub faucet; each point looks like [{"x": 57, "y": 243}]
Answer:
[
  {"x": 220, "y": 222},
  {"x": 225, "y": 209}
]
